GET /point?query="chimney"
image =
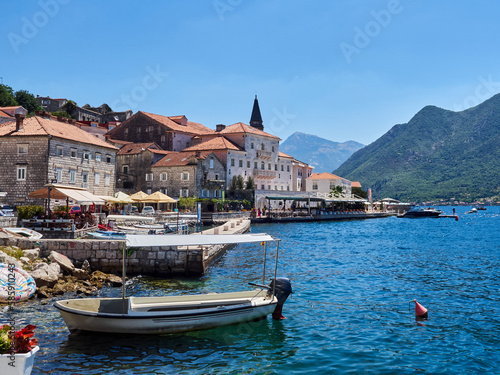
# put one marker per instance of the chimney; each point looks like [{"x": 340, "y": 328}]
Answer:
[
  {"x": 219, "y": 127},
  {"x": 19, "y": 122}
]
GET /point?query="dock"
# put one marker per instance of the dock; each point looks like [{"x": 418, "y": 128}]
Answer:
[{"x": 276, "y": 218}]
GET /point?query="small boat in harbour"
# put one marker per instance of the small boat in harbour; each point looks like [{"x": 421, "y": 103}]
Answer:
[
  {"x": 174, "y": 314},
  {"x": 22, "y": 232},
  {"x": 417, "y": 211}
]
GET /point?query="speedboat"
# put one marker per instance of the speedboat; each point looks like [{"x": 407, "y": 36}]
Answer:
[
  {"x": 418, "y": 211},
  {"x": 472, "y": 211},
  {"x": 174, "y": 314},
  {"x": 106, "y": 235}
]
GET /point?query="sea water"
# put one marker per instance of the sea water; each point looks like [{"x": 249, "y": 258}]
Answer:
[{"x": 350, "y": 311}]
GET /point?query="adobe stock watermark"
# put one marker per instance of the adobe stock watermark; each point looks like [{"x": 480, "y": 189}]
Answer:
[
  {"x": 364, "y": 36},
  {"x": 32, "y": 25},
  {"x": 139, "y": 93},
  {"x": 280, "y": 120},
  {"x": 224, "y": 6},
  {"x": 483, "y": 91}
]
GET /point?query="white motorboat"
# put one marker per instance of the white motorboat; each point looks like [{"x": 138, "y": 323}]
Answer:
[
  {"x": 173, "y": 314},
  {"x": 22, "y": 232}
]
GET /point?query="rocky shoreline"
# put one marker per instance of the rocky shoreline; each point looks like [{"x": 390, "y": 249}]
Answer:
[{"x": 56, "y": 274}]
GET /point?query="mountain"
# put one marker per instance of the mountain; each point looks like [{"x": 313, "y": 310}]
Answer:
[
  {"x": 438, "y": 154},
  {"x": 322, "y": 154}
]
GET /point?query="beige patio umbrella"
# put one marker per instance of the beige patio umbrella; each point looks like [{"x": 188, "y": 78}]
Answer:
[
  {"x": 109, "y": 199},
  {"x": 158, "y": 197},
  {"x": 123, "y": 198},
  {"x": 138, "y": 196}
]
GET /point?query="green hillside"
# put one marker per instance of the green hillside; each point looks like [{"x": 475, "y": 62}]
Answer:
[{"x": 438, "y": 154}]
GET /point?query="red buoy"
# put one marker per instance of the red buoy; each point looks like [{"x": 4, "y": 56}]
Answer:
[{"x": 420, "y": 311}]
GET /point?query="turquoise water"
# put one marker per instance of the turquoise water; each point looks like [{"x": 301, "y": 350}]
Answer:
[{"x": 349, "y": 312}]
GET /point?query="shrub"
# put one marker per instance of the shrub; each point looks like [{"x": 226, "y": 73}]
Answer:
[{"x": 28, "y": 212}]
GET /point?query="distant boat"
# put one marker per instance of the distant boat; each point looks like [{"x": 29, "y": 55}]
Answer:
[
  {"x": 482, "y": 208},
  {"x": 417, "y": 211},
  {"x": 472, "y": 211},
  {"x": 22, "y": 232}
]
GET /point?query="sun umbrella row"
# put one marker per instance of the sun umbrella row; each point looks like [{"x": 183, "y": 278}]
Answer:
[{"x": 139, "y": 197}]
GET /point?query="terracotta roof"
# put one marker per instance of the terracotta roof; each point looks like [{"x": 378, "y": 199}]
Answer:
[
  {"x": 135, "y": 148},
  {"x": 218, "y": 143},
  {"x": 355, "y": 184},
  {"x": 173, "y": 159},
  {"x": 119, "y": 141},
  {"x": 240, "y": 127},
  {"x": 39, "y": 126},
  {"x": 11, "y": 107},
  {"x": 323, "y": 176},
  {"x": 283, "y": 155},
  {"x": 191, "y": 127},
  {"x": 4, "y": 114}
]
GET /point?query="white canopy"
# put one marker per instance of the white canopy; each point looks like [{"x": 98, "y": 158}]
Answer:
[
  {"x": 129, "y": 218},
  {"x": 143, "y": 240}
]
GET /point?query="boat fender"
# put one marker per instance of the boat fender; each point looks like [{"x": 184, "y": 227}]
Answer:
[{"x": 282, "y": 289}]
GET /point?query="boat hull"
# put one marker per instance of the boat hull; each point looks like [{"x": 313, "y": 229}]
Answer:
[{"x": 162, "y": 318}]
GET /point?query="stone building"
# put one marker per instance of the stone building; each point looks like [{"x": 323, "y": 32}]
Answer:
[
  {"x": 133, "y": 166},
  {"x": 41, "y": 150},
  {"x": 185, "y": 174},
  {"x": 172, "y": 133},
  {"x": 50, "y": 104},
  {"x": 9, "y": 113},
  {"x": 323, "y": 183}
]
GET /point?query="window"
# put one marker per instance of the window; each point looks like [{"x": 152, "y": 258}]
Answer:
[
  {"x": 138, "y": 130},
  {"x": 332, "y": 185},
  {"x": 216, "y": 176},
  {"x": 262, "y": 165},
  {"x": 72, "y": 176},
  {"x": 232, "y": 162},
  {"x": 106, "y": 179},
  {"x": 125, "y": 169},
  {"x": 97, "y": 178},
  {"x": 254, "y": 165},
  {"x": 282, "y": 168},
  {"x": 59, "y": 174},
  {"x": 22, "y": 149},
  {"x": 108, "y": 159},
  {"x": 184, "y": 192},
  {"x": 149, "y": 176},
  {"x": 185, "y": 177},
  {"x": 162, "y": 139},
  {"x": 163, "y": 176},
  {"x": 73, "y": 153},
  {"x": 268, "y": 187},
  {"x": 59, "y": 151},
  {"x": 85, "y": 179},
  {"x": 269, "y": 166},
  {"x": 97, "y": 156},
  {"x": 251, "y": 145},
  {"x": 275, "y": 167},
  {"x": 275, "y": 187},
  {"x": 164, "y": 191},
  {"x": 241, "y": 163},
  {"x": 262, "y": 187},
  {"x": 288, "y": 168},
  {"x": 315, "y": 185},
  {"x": 126, "y": 131},
  {"x": 273, "y": 151},
  {"x": 148, "y": 191},
  {"x": 248, "y": 164},
  {"x": 211, "y": 163},
  {"x": 86, "y": 155},
  {"x": 262, "y": 147},
  {"x": 21, "y": 173}
]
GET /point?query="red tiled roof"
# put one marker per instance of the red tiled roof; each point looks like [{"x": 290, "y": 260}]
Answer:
[
  {"x": 119, "y": 141},
  {"x": 135, "y": 148},
  {"x": 283, "y": 155},
  {"x": 355, "y": 184},
  {"x": 5, "y": 114},
  {"x": 323, "y": 176},
  {"x": 191, "y": 127},
  {"x": 240, "y": 127},
  {"x": 40, "y": 126},
  {"x": 173, "y": 159},
  {"x": 218, "y": 143}
]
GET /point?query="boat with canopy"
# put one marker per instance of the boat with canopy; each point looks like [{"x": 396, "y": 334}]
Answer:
[{"x": 173, "y": 314}]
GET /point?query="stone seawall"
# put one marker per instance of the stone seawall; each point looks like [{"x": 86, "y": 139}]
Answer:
[{"x": 106, "y": 256}]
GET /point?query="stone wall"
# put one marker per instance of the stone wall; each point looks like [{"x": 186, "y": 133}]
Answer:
[{"x": 106, "y": 256}]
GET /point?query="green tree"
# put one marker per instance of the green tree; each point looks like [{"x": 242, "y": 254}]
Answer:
[
  {"x": 69, "y": 107},
  {"x": 237, "y": 183},
  {"x": 250, "y": 185},
  {"x": 27, "y": 100},
  {"x": 359, "y": 192},
  {"x": 336, "y": 192},
  {"x": 7, "y": 98}
]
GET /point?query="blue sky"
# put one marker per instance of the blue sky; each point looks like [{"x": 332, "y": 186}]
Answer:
[{"x": 342, "y": 70}]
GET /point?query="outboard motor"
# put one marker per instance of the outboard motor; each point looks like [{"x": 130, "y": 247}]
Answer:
[{"x": 283, "y": 288}]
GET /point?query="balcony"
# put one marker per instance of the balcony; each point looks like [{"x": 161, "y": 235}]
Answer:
[
  {"x": 261, "y": 173},
  {"x": 264, "y": 154}
]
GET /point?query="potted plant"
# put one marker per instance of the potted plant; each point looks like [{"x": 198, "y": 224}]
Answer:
[{"x": 17, "y": 350}]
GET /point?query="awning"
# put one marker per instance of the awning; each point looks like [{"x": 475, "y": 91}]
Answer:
[
  {"x": 79, "y": 195},
  {"x": 144, "y": 240},
  {"x": 301, "y": 199}
]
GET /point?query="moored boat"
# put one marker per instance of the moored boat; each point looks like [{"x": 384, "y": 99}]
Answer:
[
  {"x": 172, "y": 314},
  {"x": 417, "y": 211},
  {"x": 22, "y": 232}
]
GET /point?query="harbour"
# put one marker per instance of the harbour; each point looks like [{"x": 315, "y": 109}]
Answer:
[{"x": 348, "y": 314}]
